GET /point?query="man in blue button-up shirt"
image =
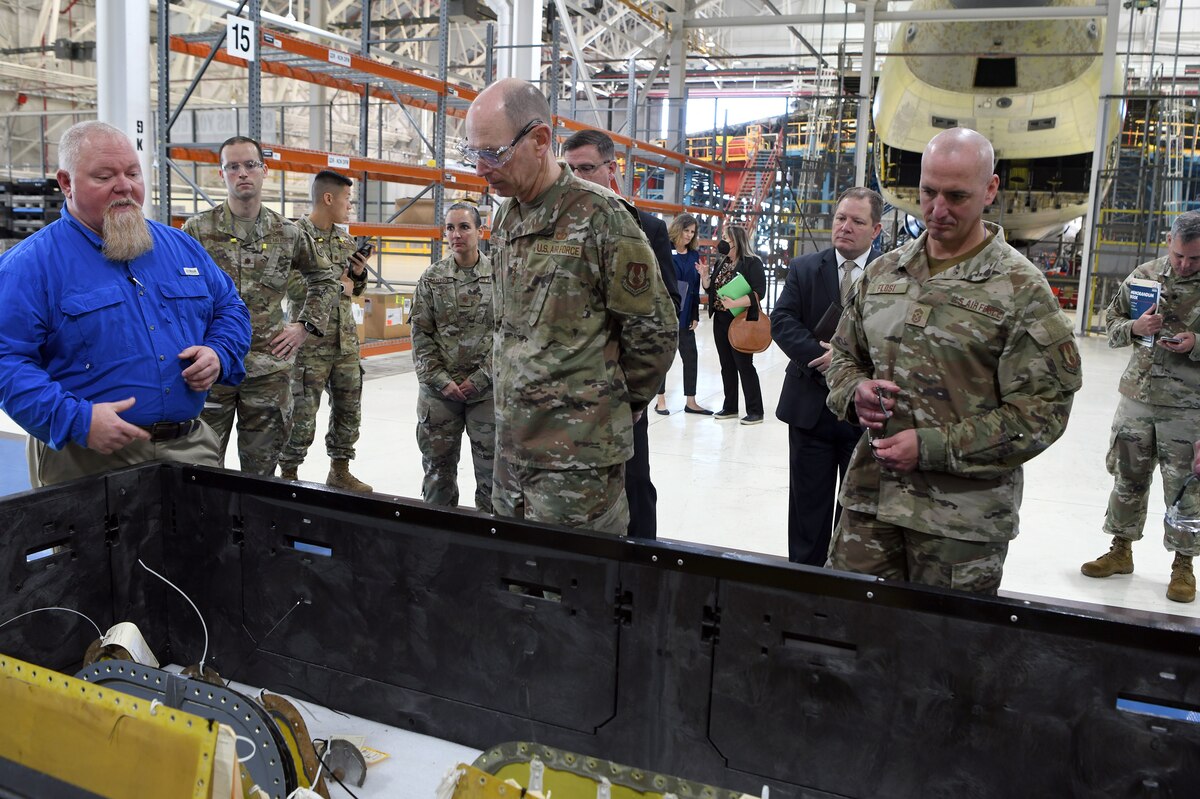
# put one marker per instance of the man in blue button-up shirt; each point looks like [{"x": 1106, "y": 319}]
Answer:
[{"x": 115, "y": 327}]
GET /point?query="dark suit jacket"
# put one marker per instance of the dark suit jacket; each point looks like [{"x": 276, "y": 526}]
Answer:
[
  {"x": 811, "y": 287},
  {"x": 660, "y": 241}
]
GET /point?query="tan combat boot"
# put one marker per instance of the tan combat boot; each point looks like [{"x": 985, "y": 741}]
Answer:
[
  {"x": 1182, "y": 587},
  {"x": 1117, "y": 560},
  {"x": 340, "y": 477},
  {"x": 288, "y": 472}
]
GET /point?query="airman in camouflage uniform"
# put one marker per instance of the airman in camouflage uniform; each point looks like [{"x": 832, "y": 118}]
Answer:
[
  {"x": 452, "y": 348},
  {"x": 585, "y": 327},
  {"x": 258, "y": 248},
  {"x": 331, "y": 362},
  {"x": 1156, "y": 419},
  {"x": 977, "y": 367}
]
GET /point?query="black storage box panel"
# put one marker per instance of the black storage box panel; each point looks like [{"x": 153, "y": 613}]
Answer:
[{"x": 722, "y": 667}]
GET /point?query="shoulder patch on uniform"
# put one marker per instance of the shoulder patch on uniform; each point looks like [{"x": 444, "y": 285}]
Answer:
[
  {"x": 1068, "y": 356},
  {"x": 990, "y": 311},
  {"x": 567, "y": 248},
  {"x": 637, "y": 277}
]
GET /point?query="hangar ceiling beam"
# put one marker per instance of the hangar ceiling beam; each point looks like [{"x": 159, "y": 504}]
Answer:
[
  {"x": 278, "y": 22},
  {"x": 942, "y": 15},
  {"x": 808, "y": 45},
  {"x": 584, "y": 77}
]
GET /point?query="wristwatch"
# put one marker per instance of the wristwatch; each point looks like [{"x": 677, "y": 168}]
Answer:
[{"x": 311, "y": 328}]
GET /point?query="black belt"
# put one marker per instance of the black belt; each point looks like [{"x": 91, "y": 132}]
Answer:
[{"x": 169, "y": 431}]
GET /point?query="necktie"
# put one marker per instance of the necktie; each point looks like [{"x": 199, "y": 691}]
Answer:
[{"x": 847, "y": 281}]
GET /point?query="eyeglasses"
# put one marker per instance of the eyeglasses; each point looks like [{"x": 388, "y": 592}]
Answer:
[
  {"x": 587, "y": 169},
  {"x": 238, "y": 166},
  {"x": 493, "y": 158}
]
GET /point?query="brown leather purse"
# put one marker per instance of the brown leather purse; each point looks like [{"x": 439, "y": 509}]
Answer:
[{"x": 751, "y": 331}]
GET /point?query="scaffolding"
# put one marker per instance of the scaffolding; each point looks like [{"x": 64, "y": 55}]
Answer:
[
  {"x": 1149, "y": 177},
  {"x": 387, "y": 86},
  {"x": 285, "y": 56}
]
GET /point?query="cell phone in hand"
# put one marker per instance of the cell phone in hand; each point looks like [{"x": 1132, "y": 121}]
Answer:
[
  {"x": 366, "y": 249},
  {"x": 1170, "y": 340}
]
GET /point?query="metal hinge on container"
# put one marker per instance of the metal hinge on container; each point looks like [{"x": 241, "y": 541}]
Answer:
[
  {"x": 623, "y": 608},
  {"x": 710, "y": 625},
  {"x": 112, "y": 530}
]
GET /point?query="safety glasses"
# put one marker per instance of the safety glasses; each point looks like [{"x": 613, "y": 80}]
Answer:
[{"x": 493, "y": 158}]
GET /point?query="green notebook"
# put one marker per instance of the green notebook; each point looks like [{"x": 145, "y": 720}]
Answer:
[{"x": 733, "y": 290}]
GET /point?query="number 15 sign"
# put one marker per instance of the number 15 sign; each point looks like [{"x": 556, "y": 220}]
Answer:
[{"x": 240, "y": 38}]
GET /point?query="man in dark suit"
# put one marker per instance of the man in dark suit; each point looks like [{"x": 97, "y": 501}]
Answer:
[
  {"x": 819, "y": 444},
  {"x": 591, "y": 156}
]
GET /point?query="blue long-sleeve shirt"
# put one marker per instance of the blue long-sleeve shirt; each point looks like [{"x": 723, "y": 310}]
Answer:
[{"x": 77, "y": 328}]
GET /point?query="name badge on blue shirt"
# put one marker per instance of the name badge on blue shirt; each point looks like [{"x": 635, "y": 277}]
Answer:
[{"x": 191, "y": 270}]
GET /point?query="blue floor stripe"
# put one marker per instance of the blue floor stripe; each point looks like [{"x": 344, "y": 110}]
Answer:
[{"x": 14, "y": 472}]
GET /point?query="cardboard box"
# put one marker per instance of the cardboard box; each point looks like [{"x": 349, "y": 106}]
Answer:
[
  {"x": 385, "y": 314},
  {"x": 419, "y": 213}
]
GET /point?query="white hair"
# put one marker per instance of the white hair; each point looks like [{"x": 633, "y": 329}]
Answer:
[{"x": 72, "y": 142}]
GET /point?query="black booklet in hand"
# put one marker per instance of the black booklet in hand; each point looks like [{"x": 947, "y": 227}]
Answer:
[{"x": 829, "y": 321}]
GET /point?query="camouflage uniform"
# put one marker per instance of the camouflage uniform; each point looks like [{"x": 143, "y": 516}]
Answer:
[
  {"x": 987, "y": 366},
  {"x": 260, "y": 267},
  {"x": 452, "y": 342},
  {"x": 329, "y": 363},
  {"x": 1155, "y": 422},
  {"x": 585, "y": 331}
]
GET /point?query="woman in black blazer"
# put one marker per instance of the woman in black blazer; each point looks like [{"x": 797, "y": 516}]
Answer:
[{"x": 740, "y": 260}]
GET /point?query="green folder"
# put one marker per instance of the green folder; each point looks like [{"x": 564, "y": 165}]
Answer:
[{"x": 734, "y": 290}]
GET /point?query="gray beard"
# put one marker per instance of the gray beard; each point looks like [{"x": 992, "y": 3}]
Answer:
[{"x": 126, "y": 235}]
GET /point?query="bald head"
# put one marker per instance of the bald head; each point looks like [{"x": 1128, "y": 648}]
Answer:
[
  {"x": 964, "y": 145},
  {"x": 508, "y": 127},
  {"x": 957, "y": 184},
  {"x": 519, "y": 102}
]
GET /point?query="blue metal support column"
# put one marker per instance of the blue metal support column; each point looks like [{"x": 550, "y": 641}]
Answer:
[
  {"x": 254, "y": 96},
  {"x": 162, "y": 146},
  {"x": 439, "y": 126},
  {"x": 364, "y": 117}
]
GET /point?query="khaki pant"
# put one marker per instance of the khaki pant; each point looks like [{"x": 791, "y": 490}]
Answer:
[
  {"x": 341, "y": 375},
  {"x": 863, "y": 544},
  {"x": 264, "y": 419},
  {"x": 440, "y": 425},
  {"x": 1143, "y": 437},
  {"x": 591, "y": 499},
  {"x": 48, "y": 466}
]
